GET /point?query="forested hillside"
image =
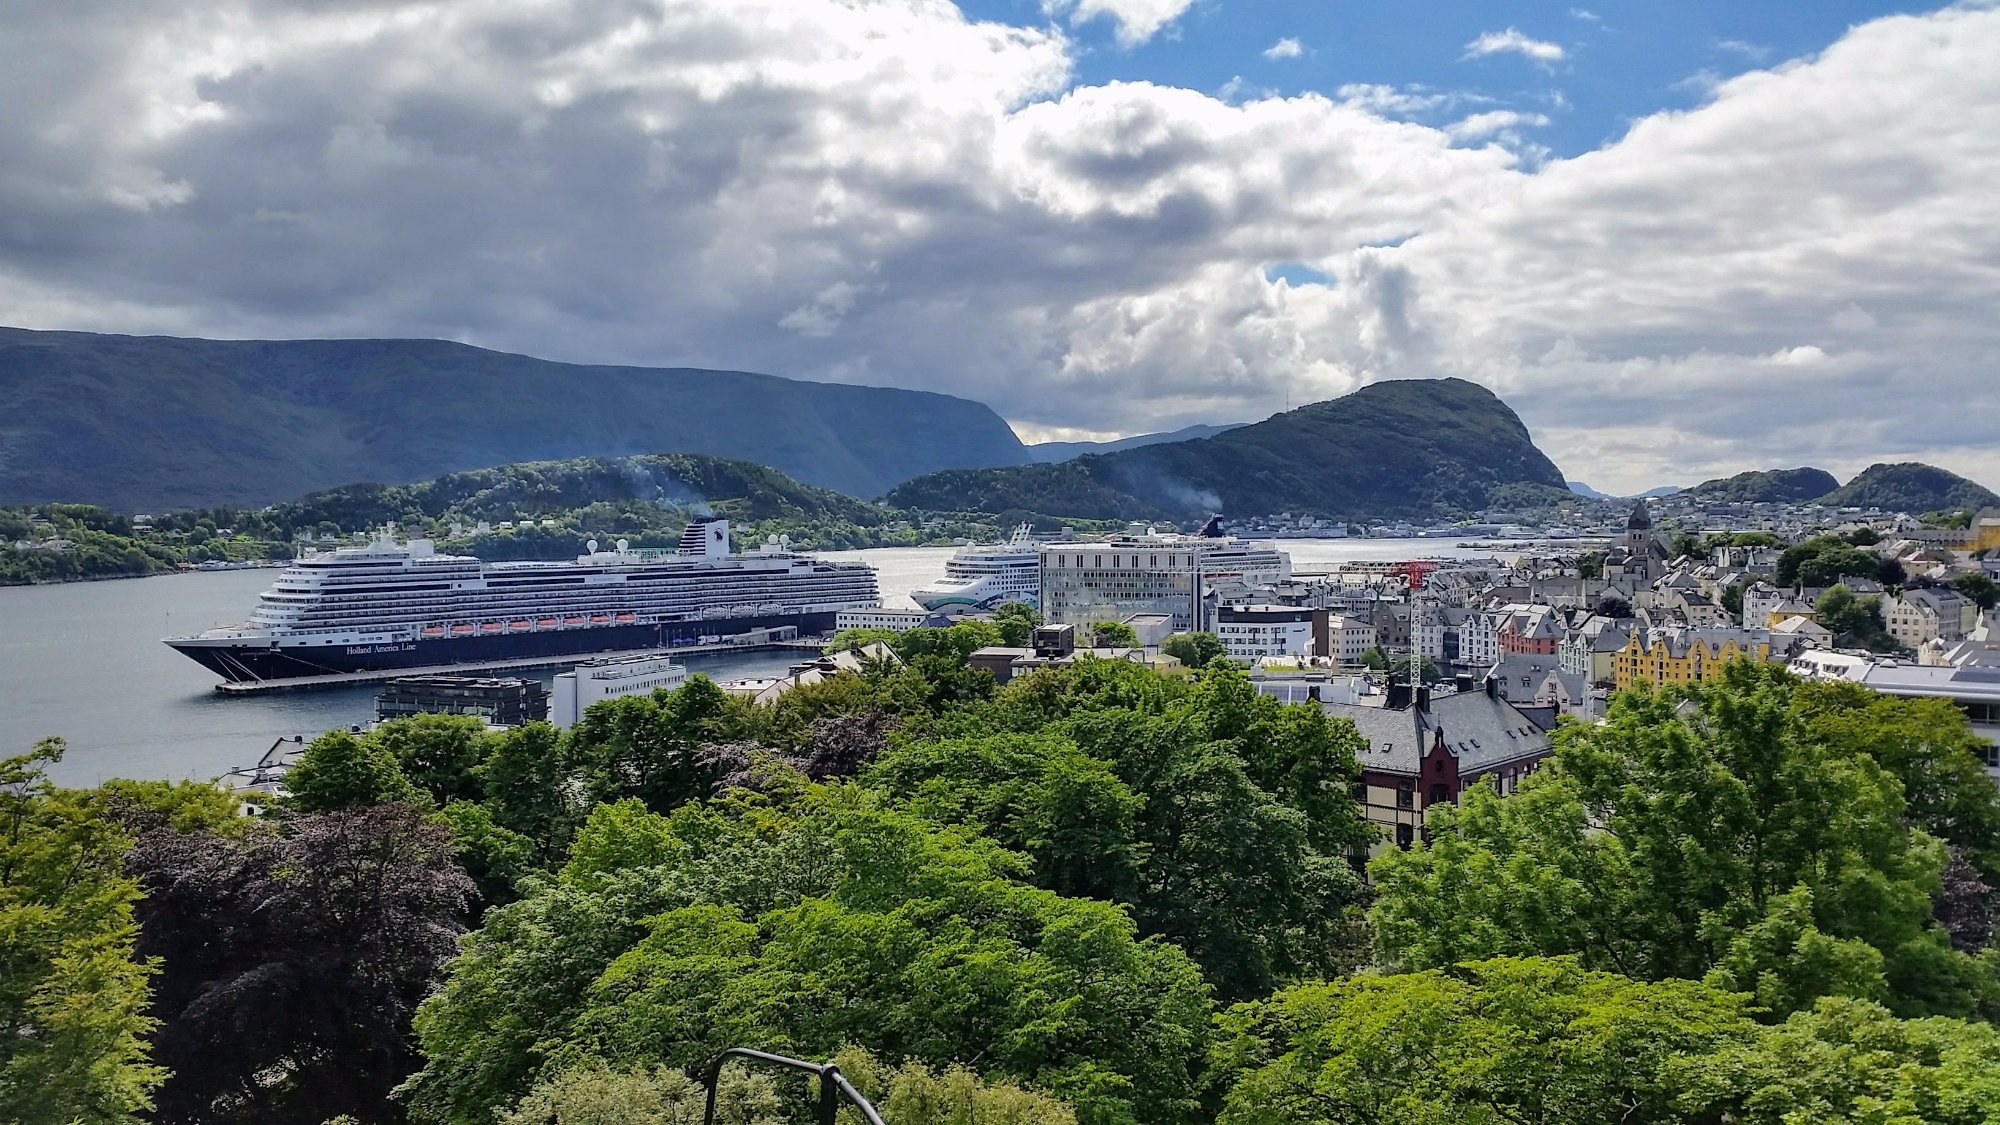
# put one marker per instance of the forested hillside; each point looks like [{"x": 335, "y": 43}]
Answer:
[
  {"x": 1912, "y": 486},
  {"x": 1405, "y": 448},
  {"x": 145, "y": 423}
]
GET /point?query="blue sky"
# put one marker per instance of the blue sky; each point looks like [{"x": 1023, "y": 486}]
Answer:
[{"x": 1621, "y": 61}]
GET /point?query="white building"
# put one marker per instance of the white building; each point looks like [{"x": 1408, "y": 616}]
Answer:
[
  {"x": 1252, "y": 631},
  {"x": 578, "y": 688},
  {"x": 1974, "y": 688},
  {"x": 1479, "y": 640},
  {"x": 1920, "y": 616},
  {"x": 1083, "y": 583}
]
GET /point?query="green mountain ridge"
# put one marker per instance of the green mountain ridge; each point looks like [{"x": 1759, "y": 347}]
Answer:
[
  {"x": 1403, "y": 448},
  {"x": 1770, "y": 486},
  {"x": 1911, "y": 486},
  {"x": 1051, "y": 452},
  {"x": 152, "y": 423}
]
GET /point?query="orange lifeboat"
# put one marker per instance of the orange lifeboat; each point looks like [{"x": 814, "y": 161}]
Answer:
[
  {"x": 433, "y": 630},
  {"x": 575, "y": 621},
  {"x": 547, "y": 623},
  {"x": 521, "y": 624},
  {"x": 490, "y": 627},
  {"x": 625, "y": 617},
  {"x": 461, "y": 628}
]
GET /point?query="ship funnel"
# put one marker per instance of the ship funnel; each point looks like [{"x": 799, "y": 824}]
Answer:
[
  {"x": 591, "y": 546},
  {"x": 623, "y": 544}
]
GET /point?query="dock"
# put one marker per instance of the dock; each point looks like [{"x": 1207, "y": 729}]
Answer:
[{"x": 525, "y": 664}]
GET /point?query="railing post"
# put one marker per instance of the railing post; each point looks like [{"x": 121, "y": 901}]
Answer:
[{"x": 829, "y": 1093}]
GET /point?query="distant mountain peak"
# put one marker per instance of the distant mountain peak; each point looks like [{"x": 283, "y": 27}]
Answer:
[
  {"x": 1051, "y": 452},
  {"x": 1399, "y": 448}
]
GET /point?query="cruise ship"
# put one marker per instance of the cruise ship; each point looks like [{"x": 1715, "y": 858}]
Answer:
[
  {"x": 396, "y": 604},
  {"x": 1151, "y": 573},
  {"x": 985, "y": 576}
]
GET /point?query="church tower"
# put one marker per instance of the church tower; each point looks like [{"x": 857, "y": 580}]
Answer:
[{"x": 1639, "y": 543}]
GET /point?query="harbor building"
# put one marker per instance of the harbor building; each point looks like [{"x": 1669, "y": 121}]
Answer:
[
  {"x": 587, "y": 684},
  {"x": 503, "y": 701},
  {"x": 1082, "y": 583}
]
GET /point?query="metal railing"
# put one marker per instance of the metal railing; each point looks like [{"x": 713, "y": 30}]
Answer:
[{"x": 833, "y": 1085}]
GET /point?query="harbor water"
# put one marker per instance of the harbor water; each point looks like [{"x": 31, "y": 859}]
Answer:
[{"x": 84, "y": 661}]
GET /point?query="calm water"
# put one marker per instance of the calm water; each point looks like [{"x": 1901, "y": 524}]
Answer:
[{"x": 85, "y": 661}]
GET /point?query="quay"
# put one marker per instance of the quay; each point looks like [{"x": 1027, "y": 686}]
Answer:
[{"x": 380, "y": 675}]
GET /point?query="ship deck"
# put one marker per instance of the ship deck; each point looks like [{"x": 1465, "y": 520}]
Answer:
[{"x": 381, "y": 675}]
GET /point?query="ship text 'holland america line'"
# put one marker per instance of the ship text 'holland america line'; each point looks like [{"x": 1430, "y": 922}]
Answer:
[{"x": 402, "y": 605}]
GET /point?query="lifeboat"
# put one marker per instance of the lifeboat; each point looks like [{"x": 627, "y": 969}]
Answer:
[
  {"x": 521, "y": 624},
  {"x": 547, "y": 623},
  {"x": 625, "y": 617},
  {"x": 575, "y": 621},
  {"x": 600, "y": 619},
  {"x": 461, "y": 629},
  {"x": 433, "y": 630},
  {"x": 489, "y": 627}
]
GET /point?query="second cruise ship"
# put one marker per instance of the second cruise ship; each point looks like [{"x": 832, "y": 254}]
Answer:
[
  {"x": 402, "y": 605},
  {"x": 982, "y": 577}
]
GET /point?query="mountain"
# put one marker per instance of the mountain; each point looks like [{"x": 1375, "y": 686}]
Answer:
[
  {"x": 1910, "y": 486},
  {"x": 1663, "y": 490},
  {"x": 1770, "y": 486},
  {"x": 1587, "y": 492},
  {"x": 148, "y": 423},
  {"x": 1419, "y": 447},
  {"x": 1051, "y": 452}
]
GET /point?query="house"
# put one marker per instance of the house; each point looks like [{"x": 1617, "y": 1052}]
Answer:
[
  {"x": 1532, "y": 629},
  {"x": 1540, "y": 681},
  {"x": 1681, "y": 655},
  {"x": 1591, "y": 648},
  {"x": 1250, "y": 632},
  {"x": 1921, "y": 616},
  {"x": 1429, "y": 751},
  {"x": 1479, "y": 640},
  {"x": 1056, "y": 645},
  {"x": 1804, "y": 630},
  {"x": 1980, "y": 648},
  {"x": 1349, "y": 638}
]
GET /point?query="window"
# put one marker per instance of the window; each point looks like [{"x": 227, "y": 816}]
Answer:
[
  {"x": 1405, "y": 835},
  {"x": 1406, "y": 795},
  {"x": 1440, "y": 793}
]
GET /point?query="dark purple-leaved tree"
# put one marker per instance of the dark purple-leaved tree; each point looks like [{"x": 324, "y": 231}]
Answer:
[{"x": 293, "y": 959}]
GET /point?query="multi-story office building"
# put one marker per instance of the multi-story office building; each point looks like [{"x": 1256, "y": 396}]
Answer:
[{"x": 1167, "y": 574}]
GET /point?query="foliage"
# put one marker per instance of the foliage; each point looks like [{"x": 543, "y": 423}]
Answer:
[
  {"x": 73, "y": 542},
  {"x": 1978, "y": 588},
  {"x": 342, "y": 771},
  {"x": 1017, "y": 622},
  {"x": 1771, "y": 486},
  {"x": 1824, "y": 561},
  {"x": 73, "y": 990},
  {"x": 914, "y": 1094},
  {"x": 598, "y": 1095},
  {"x": 1859, "y": 619},
  {"x": 1416, "y": 447},
  {"x": 1707, "y": 830},
  {"x": 1498, "y": 1041},
  {"x": 292, "y": 961},
  {"x": 803, "y": 925},
  {"x": 1590, "y": 565},
  {"x": 1910, "y": 486},
  {"x": 1196, "y": 650},
  {"x": 1113, "y": 634}
]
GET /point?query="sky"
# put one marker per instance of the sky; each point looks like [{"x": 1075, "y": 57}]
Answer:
[{"x": 1680, "y": 240}]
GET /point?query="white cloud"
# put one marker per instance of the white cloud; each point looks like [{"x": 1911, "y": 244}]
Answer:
[
  {"x": 1513, "y": 41},
  {"x": 1754, "y": 52},
  {"x": 1586, "y": 15},
  {"x": 1287, "y": 48},
  {"x": 1136, "y": 21},
  {"x": 1798, "y": 271},
  {"x": 1492, "y": 123}
]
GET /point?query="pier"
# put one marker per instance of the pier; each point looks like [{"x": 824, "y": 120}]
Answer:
[{"x": 525, "y": 664}]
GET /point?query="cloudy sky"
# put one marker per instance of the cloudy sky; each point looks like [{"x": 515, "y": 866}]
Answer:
[{"x": 1681, "y": 239}]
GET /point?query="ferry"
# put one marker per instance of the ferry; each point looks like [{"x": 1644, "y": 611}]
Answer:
[
  {"x": 393, "y": 604},
  {"x": 980, "y": 577}
]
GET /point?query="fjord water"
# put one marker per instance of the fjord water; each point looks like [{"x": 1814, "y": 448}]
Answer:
[{"x": 84, "y": 661}]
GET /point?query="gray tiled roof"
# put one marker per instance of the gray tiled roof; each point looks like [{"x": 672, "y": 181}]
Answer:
[{"x": 1481, "y": 731}]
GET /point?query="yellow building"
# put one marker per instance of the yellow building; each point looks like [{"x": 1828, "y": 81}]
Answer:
[
  {"x": 1986, "y": 530},
  {"x": 1683, "y": 656}
]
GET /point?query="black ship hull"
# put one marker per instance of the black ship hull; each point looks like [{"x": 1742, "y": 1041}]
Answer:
[{"x": 251, "y": 660}]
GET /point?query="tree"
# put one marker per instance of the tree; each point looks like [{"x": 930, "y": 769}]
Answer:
[
  {"x": 598, "y": 1095},
  {"x": 1864, "y": 537},
  {"x": 1849, "y": 616},
  {"x": 439, "y": 754},
  {"x": 1976, "y": 586},
  {"x": 1890, "y": 572},
  {"x": 73, "y": 990},
  {"x": 1195, "y": 650},
  {"x": 1488, "y": 1043},
  {"x": 1613, "y": 606},
  {"x": 341, "y": 771},
  {"x": 1113, "y": 634},
  {"x": 292, "y": 961},
  {"x": 1590, "y": 565},
  {"x": 1017, "y": 622},
  {"x": 1732, "y": 598},
  {"x": 526, "y": 786},
  {"x": 1673, "y": 839},
  {"x": 812, "y": 918}
]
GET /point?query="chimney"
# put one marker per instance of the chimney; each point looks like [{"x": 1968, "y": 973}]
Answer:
[
  {"x": 1492, "y": 687},
  {"x": 1462, "y": 681},
  {"x": 1423, "y": 697},
  {"x": 1399, "y": 696}
]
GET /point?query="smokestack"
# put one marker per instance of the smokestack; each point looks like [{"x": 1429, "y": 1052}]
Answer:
[{"x": 1399, "y": 696}]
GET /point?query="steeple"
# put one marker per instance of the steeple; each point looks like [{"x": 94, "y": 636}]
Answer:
[{"x": 1640, "y": 521}]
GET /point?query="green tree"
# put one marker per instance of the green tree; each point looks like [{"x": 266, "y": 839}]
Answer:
[
  {"x": 1981, "y": 590},
  {"x": 808, "y": 921},
  {"x": 1017, "y": 622},
  {"x": 598, "y": 1095},
  {"x": 526, "y": 785},
  {"x": 1489, "y": 1043},
  {"x": 1668, "y": 841},
  {"x": 439, "y": 754},
  {"x": 73, "y": 992},
  {"x": 650, "y": 747},
  {"x": 341, "y": 771},
  {"x": 1196, "y": 650},
  {"x": 1847, "y": 615},
  {"x": 1113, "y": 634},
  {"x": 1590, "y": 565}
]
